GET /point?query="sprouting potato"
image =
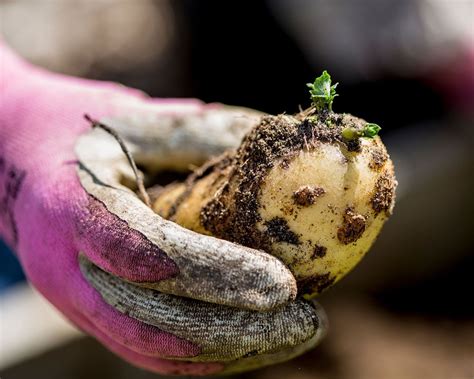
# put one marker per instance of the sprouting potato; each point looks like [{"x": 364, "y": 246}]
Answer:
[{"x": 312, "y": 189}]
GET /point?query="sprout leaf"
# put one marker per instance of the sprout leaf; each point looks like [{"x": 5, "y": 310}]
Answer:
[{"x": 322, "y": 92}]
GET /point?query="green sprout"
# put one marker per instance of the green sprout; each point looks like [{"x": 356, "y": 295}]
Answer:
[
  {"x": 370, "y": 130},
  {"x": 322, "y": 92}
]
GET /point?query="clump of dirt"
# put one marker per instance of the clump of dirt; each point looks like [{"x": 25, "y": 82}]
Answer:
[
  {"x": 319, "y": 252},
  {"x": 384, "y": 193},
  {"x": 379, "y": 157},
  {"x": 352, "y": 228},
  {"x": 278, "y": 229},
  {"x": 307, "y": 195}
]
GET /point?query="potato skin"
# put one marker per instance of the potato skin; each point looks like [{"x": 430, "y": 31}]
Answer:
[{"x": 296, "y": 189}]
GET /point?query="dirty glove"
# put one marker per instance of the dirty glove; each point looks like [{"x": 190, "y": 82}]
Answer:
[{"x": 91, "y": 246}]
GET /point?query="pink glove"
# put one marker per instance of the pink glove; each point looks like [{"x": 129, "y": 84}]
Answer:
[{"x": 48, "y": 218}]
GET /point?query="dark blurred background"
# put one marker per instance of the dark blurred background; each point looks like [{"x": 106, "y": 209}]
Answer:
[{"x": 406, "y": 311}]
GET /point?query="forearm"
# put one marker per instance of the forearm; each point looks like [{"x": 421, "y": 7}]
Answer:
[
  {"x": 14, "y": 77},
  {"x": 11, "y": 176},
  {"x": 25, "y": 107},
  {"x": 26, "y": 92}
]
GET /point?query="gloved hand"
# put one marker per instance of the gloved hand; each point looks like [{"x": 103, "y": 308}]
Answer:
[{"x": 62, "y": 215}]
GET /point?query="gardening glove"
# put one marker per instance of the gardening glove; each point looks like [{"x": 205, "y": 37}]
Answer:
[{"x": 91, "y": 246}]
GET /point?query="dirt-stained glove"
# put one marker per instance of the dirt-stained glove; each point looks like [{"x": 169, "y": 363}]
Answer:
[{"x": 83, "y": 236}]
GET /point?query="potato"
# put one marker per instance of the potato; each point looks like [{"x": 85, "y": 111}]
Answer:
[{"x": 307, "y": 189}]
